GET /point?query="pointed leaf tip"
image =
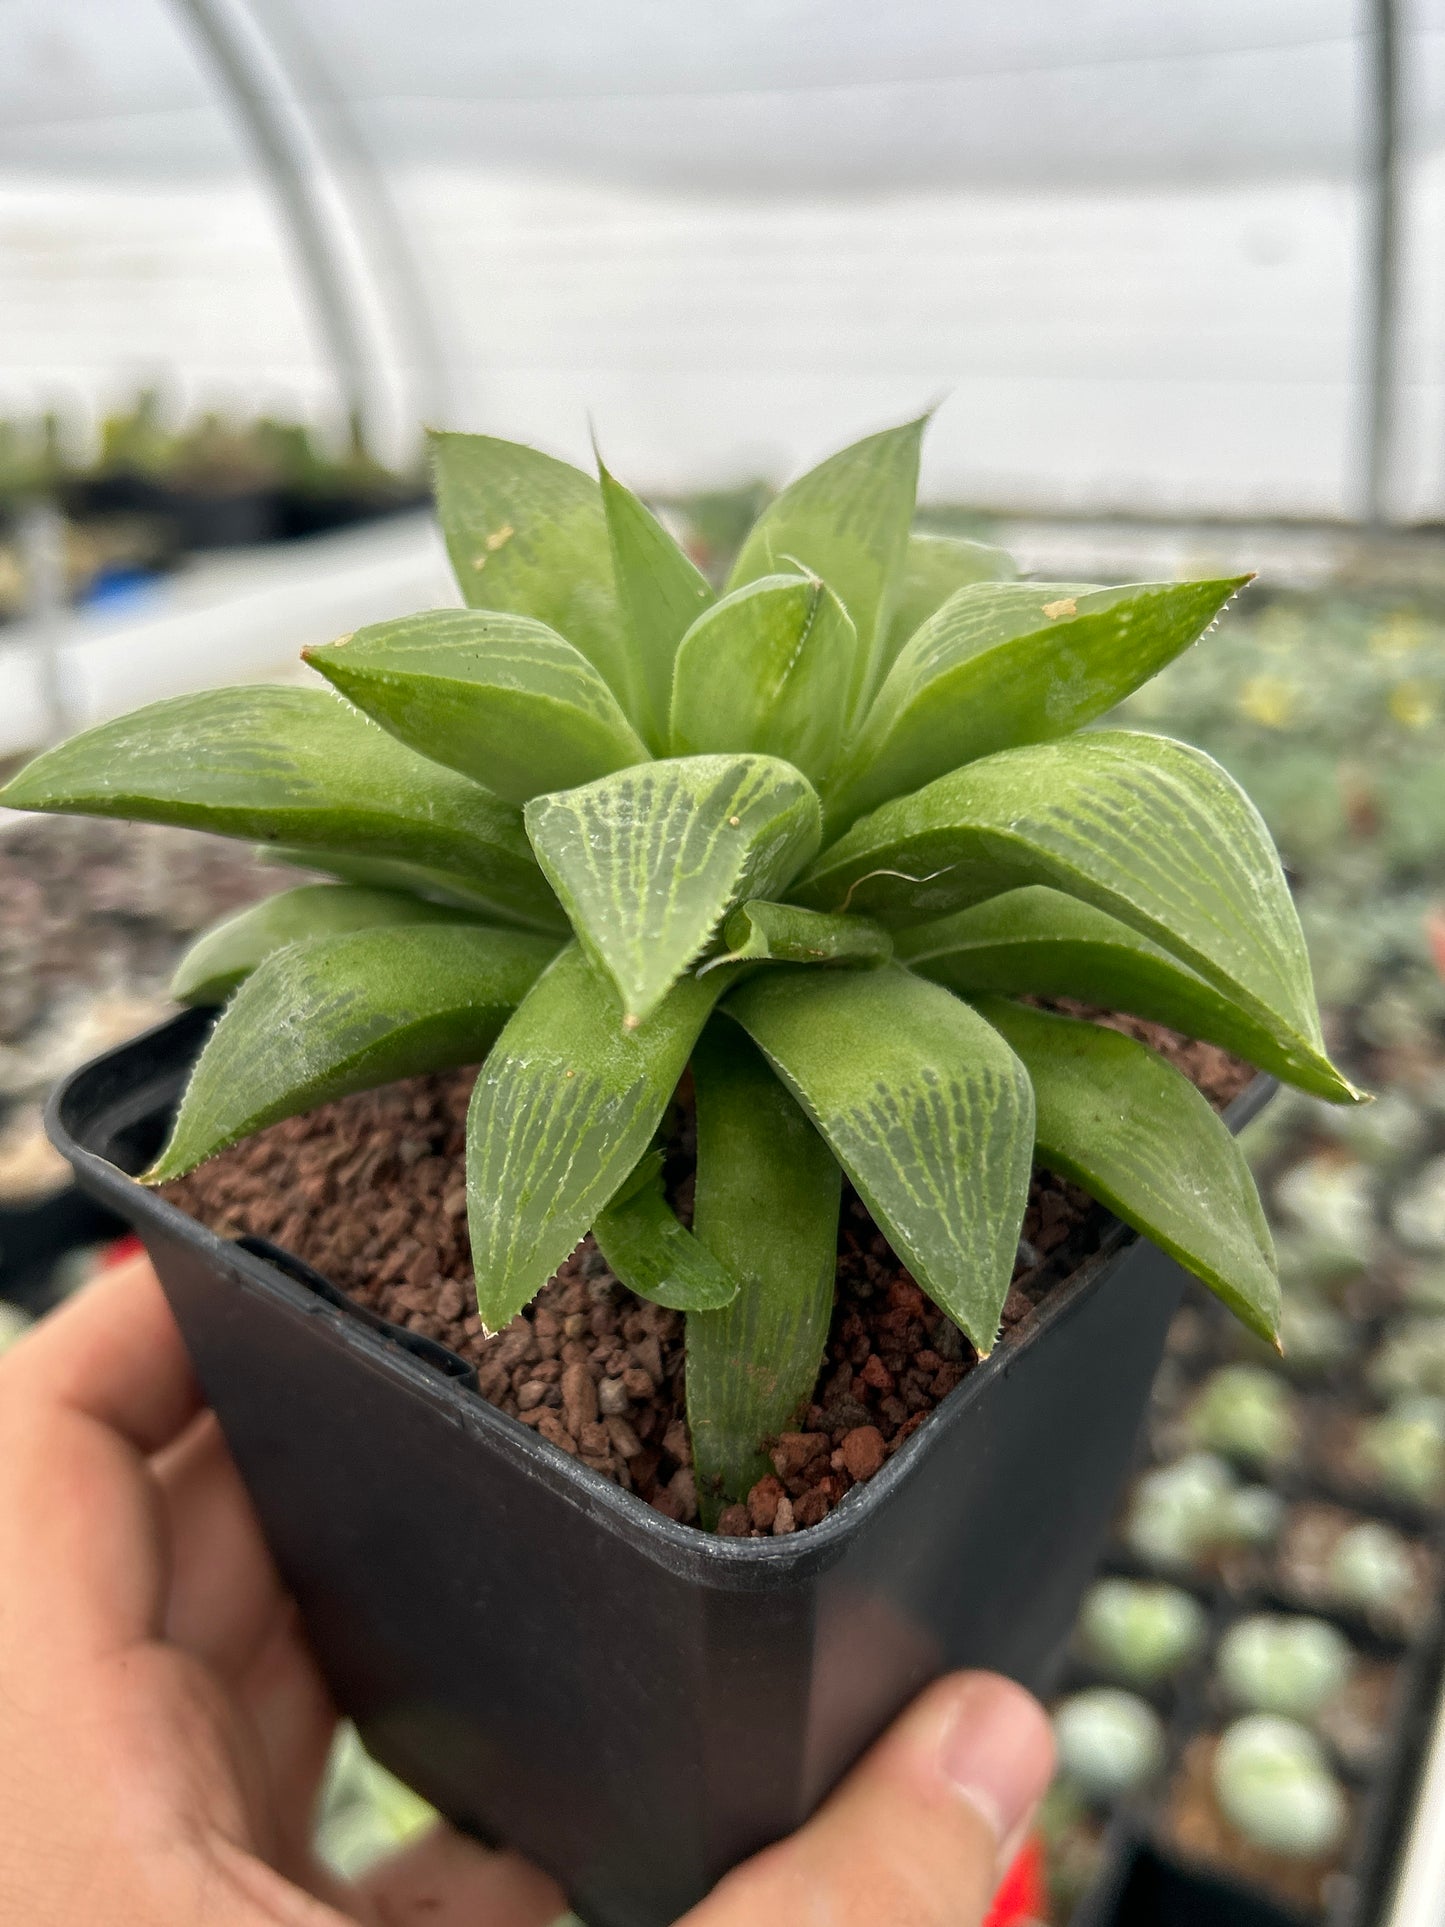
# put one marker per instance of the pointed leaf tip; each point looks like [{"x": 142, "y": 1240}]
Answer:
[
  {"x": 648, "y": 861},
  {"x": 1116, "y": 1118},
  {"x": 767, "y": 669},
  {"x": 500, "y": 697},
  {"x": 319, "y": 1019},
  {"x": 527, "y": 533},
  {"x": 847, "y": 521},
  {"x": 1001, "y": 664},
  {"x": 1149, "y": 830},
  {"x": 661, "y": 593},
  {"x": 654, "y": 1254}
]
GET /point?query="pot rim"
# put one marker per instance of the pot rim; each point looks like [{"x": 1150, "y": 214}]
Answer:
[{"x": 378, "y": 1343}]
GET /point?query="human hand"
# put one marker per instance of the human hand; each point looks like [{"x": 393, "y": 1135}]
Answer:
[{"x": 163, "y": 1726}]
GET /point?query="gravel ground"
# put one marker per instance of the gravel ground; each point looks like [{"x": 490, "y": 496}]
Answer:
[{"x": 93, "y": 917}]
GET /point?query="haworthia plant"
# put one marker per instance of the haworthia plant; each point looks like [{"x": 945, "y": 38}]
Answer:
[
  {"x": 653, "y": 1252},
  {"x": 662, "y": 594},
  {"x": 647, "y": 862},
  {"x": 564, "y": 1107},
  {"x": 813, "y": 840},
  {"x": 1002, "y": 663},
  {"x": 499, "y": 697},
  {"x": 217, "y": 963},
  {"x": 934, "y": 566},
  {"x": 319, "y": 1019},
  {"x": 767, "y": 669},
  {"x": 767, "y": 1198}
]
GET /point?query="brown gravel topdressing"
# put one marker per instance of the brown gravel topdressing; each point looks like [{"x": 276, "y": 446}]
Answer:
[{"x": 371, "y": 1191}]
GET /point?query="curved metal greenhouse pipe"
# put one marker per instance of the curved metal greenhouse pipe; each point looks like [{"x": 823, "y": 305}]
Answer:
[
  {"x": 321, "y": 257},
  {"x": 369, "y": 204}
]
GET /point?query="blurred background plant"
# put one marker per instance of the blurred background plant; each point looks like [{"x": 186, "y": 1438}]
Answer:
[{"x": 150, "y": 488}]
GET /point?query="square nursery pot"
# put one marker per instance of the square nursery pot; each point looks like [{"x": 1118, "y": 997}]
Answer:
[{"x": 632, "y": 1703}]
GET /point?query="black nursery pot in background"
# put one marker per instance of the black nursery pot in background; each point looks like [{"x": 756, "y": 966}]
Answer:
[{"x": 632, "y": 1703}]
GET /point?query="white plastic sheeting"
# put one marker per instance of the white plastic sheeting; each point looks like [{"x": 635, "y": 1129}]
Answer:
[
  {"x": 765, "y": 96},
  {"x": 1122, "y": 242}
]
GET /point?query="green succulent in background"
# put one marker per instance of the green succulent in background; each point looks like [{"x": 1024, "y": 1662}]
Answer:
[
  {"x": 1331, "y": 1201},
  {"x": 813, "y": 837},
  {"x": 1138, "y": 1631},
  {"x": 1405, "y": 1450},
  {"x": 1273, "y": 1782},
  {"x": 1110, "y": 1743},
  {"x": 14, "y": 1324},
  {"x": 1246, "y": 1413},
  {"x": 1284, "y": 1663},
  {"x": 1373, "y": 1569},
  {"x": 1194, "y": 1507},
  {"x": 1411, "y": 1360},
  {"x": 364, "y": 1813}
]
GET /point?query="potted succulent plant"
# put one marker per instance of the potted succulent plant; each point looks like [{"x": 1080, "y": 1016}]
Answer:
[{"x": 798, "y": 850}]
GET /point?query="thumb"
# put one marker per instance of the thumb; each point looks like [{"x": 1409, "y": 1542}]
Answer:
[{"x": 919, "y": 1833}]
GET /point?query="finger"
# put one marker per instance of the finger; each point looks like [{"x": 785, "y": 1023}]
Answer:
[
  {"x": 225, "y": 1595},
  {"x": 114, "y": 1354},
  {"x": 82, "y": 1542},
  {"x": 919, "y": 1832},
  {"x": 290, "y": 1714},
  {"x": 446, "y": 1880}
]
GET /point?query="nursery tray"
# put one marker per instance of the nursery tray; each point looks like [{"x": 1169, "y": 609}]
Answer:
[{"x": 1394, "y": 1875}]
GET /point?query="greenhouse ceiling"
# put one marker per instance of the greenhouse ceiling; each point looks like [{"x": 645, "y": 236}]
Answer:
[{"x": 776, "y": 96}]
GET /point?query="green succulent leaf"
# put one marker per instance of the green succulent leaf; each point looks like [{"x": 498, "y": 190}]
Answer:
[
  {"x": 761, "y": 931},
  {"x": 1038, "y": 942},
  {"x": 1004, "y": 663},
  {"x": 646, "y": 862},
  {"x": 925, "y": 1107},
  {"x": 402, "y": 879},
  {"x": 527, "y": 533},
  {"x": 230, "y": 950},
  {"x": 847, "y": 522},
  {"x": 1135, "y": 1133},
  {"x": 768, "y": 669},
  {"x": 654, "y": 1254},
  {"x": 323, "y": 1018},
  {"x": 502, "y": 698},
  {"x": 298, "y": 767},
  {"x": 1149, "y": 830},
  {"x": 661, "y": 593},
  {"x": 766, "y": 1202},
  {"x": 934, "y": 567},
  {"x": 564, "y": 1107}
]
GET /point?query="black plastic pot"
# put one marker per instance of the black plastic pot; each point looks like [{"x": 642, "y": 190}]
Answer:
[{"x": 632, "y": 1703}]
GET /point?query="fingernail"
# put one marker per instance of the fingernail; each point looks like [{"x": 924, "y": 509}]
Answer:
[{"x": 996, "y": 1751}]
